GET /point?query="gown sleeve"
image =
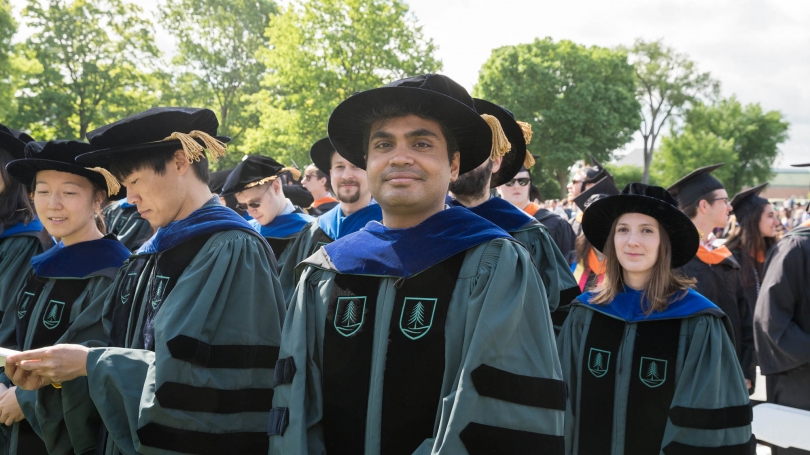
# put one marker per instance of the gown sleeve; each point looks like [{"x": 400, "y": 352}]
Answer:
[
  {"x": 296, "y": 252},
  {"x": 207, "y": 387},
  {"x": 15, "y": 267},
  {"x": 710, "y": 411},
  {"x": 569, "y": 345}
]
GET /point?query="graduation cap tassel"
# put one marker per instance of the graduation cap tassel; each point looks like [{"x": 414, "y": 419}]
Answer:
[
  {"x": 113, "y": 187},
  {"x": 216, "y": 148},
  {"x": 528, "y": 161},
  {"x": 527, "y": 131},
  {"x": 194, "y": 151},
  {"x": 500, "y": 144},
  {"x": 294, "y": 171}
]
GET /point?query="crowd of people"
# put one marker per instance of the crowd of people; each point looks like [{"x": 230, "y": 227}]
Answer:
[{"x": 405, "y": 293}]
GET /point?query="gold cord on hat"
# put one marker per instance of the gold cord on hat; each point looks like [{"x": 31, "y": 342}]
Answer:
[
  {"x": 500, "y": 144},
  {"x": 295, "y": 173},
  {"x": 527, "y": 137},
  {"x": 193, "y": 150},
  {"x": 113, "y": 186}
]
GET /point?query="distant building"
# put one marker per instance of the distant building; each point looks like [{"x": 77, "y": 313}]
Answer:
[{"x": 787, "y": 183}]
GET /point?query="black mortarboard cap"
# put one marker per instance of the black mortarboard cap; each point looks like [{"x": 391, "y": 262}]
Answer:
[
  {"x": 321, "y": 154},
  {"x": 515, "y": 158},
  {"x": 14, "y": 141},
  {"x": 700, "y": 182},
  {"x": 746, "y": 201},
  {"x": 603, "y": 188},
  {"x": 216, "y": 180},
  {"x": 597, "y": 172},
  {"x": 151, "y": 130},
  {"x": 254, "y": 171}
]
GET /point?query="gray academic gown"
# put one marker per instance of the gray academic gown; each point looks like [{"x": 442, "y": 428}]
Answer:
[
  {"x": 16, "y": 252},
  {"x": 782, "y": 321},
  {"x": 669, "y": 386},
  {"x": 494, "y": 387},
  {"x": 201, "y": 380}
]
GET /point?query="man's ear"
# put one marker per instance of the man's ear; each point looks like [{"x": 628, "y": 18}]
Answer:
[
  {"x": 455, "y": 165},
  {"x": 277, "y": 186},
  {"x": 496, "y": 164},
  {"x": 180, "y": 162}
]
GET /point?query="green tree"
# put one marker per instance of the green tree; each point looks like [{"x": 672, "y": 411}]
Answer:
[
  {"x": 93, "y": 61},
  {"x": 622, "y": 175},
  {"x": 667, "y": 84},
  {"x": 744, "y": 137},
  {"x": 216, "y": 60},
  {"x": 322, "y": 51},
  {"x": 417, "y": 315},
  {"x": 7, "y": 29},
  {"x": 578, "y": 99}
]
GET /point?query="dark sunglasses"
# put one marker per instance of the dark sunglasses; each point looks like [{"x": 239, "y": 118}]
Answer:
[
  {"x": 521, "y": 182},
  {"x": 254, "y": 203}
]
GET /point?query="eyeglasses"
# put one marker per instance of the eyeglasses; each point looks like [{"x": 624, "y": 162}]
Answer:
[
  {"x": 254, "y": 203},
  {"x": 724, "y": 199},
  {"x": 521, "y": 182}
]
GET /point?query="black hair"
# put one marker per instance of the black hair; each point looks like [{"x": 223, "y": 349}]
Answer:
[
  {"x": 15, "y": 202},
  {"x": 397, "y": 110},
  {"x": 123, "y": 165}
]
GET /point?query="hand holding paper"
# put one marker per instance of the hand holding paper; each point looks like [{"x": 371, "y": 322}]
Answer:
[{"x": 31, "y": 370}]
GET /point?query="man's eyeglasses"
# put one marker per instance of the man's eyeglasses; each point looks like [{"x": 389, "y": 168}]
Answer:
[
  {"x": 521, "y": 182},
  {"x": 256, "y": 203},
  {"x": 724, "y": 199}
]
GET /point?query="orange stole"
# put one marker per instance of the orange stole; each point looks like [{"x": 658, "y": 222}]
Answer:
[
  {"x": 532, "y": 208},
  {"x": 323, "y": 200},
  {"x": 714, "y": 256},
  {"x": 582, "y": 273}
]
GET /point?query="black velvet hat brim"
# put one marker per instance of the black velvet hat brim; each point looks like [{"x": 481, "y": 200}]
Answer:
[
  {"x": 347, "y": 122},
  {"x": 512, "y": 161},
  {"x": 102, "y": 157},
  {"x": 598, "y": 219},
  {"x": 26, "y": 170},
  {"x": 321, "y": 155},
  {"x": 12, "y": 145}
]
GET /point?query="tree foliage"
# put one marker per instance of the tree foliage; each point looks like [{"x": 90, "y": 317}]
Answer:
[
  {"x": 321, "y": 52},
  {"x": 92, "y": 57},
  {"x": 745, "y": 138},
  {"x": 667, "y": 85},
  {"x": 622, "y": 175},
  {"x": 578, "y": 99},
  {"x": 217, "y": 44}
]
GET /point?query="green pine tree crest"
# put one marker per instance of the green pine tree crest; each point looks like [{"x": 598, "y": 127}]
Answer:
[
  {"x": 417, "y": 315},
  {"x": 350, "y": 314}
]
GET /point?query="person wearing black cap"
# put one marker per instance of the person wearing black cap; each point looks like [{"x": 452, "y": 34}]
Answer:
[
  {"x": 355, "y": 209},
  {"x": 21, "y": 233},
  {"x": 584, "y": 179},
  {"x": 705, "y": 201},
  {"x": 258, "y": 191},
  {"x": 59, "y": 302},
  {"x": 126, "y": 224},
  {"x": 649, "y": 362},
  {"x": 319, "y": 185},
  {"x": 472, "y": 190},
  {"x": 430, "y": 331},
  {"x": 516, "y": 191},
  {"x": 195, "y": 316},
  {"x": 782, "y": 323},
  {"x": 590, "y": 264}
]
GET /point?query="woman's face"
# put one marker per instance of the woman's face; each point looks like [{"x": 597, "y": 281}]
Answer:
[
  {"x": 768, "y": 222},
  {"x": 636, "y": 240},
  {"x": 66, "y": 204}
]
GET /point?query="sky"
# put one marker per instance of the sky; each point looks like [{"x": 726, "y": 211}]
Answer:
[{"x": 759, "y": 50}]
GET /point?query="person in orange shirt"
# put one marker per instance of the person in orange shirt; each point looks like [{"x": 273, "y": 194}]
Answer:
[
  {"x": 705, "y": 201},
  {"x": 319, "y": 185}
]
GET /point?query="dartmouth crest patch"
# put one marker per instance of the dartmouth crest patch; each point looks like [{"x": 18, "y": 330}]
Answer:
[
  {"x": 598, "y": 362},
  {"x": 652, "y": 372},
  {"x": 23, "y": 308},
  {"x": 53, "y": 314},
  {"x": 126, "y": 289},
  {"x": 161, "y": 282},
  {"x": 350, "y": 313},
  {"x": 417, "y": 316}
]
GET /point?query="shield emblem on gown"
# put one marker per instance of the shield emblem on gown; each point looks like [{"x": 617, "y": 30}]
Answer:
[
  {"x": 598, "y": 362},
  {"x": 350, "y": 313},
  {"x": 53, "y": 314},
  {"x": 417, "y": 316},
  {"x": 160, "y": 289},
  {"x": 23, "y": 308},
  {"x": 129, "y": 283},
  {"x": 652, "y": 372}
]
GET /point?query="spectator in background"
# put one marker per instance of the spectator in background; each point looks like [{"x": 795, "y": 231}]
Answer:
[
  {"x": 784, "y": 217},
  {"x": 320, "y": 186}
]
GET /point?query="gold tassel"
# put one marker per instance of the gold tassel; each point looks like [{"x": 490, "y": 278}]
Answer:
[
  {"x": 500, "y": 144},
  {"x": 193, "y": 150},
  {"x": 294, "y": 171},
  {"x": 527, "y": 132},
  {"x": 113, "y": 186},
  {"x": 261, "y": 182},
  {"x": 528, "y": 162}
]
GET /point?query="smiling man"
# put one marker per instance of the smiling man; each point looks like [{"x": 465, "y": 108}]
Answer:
[
  {"x": 354, "y": 210},
  {"x": 705, "y": 201},
  {"x": 428, "y": 332},
  {"x": 195, "y": 315}
]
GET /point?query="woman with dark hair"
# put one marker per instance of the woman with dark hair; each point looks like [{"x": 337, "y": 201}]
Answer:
[
  {"x": 649, "y": 363},
  {"x": 61, "y": 301},
  {"x": 21, "y": 234}
]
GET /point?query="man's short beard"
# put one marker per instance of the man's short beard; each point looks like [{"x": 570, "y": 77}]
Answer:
[
  {"x": 348, "y": 198},
  {"x": 473, "y": 183}
]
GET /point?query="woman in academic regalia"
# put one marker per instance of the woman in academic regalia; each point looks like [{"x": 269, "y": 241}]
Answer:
[
  {"x": 61, "y": 302},
  {"x": 649, "y": 363},
  {"x": 21, "y": 235}
]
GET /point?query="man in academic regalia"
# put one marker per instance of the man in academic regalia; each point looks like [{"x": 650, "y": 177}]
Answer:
[
  {"x": 354, "y": 210},
  {"x": 429, "y": 332},
  {"x": 705, "y": 201},
  {"x": 195, "y": 315},
  {"x": 258, "y": 190},
  {"x": 472, "y": 190},
  {"x": 318, "y": 184},
  {"x": 125, "y": 223},
  {"x": 782, "y": 323},
  {"x": 584, "y": 180},
  {"x": 516, "y": 191}
]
